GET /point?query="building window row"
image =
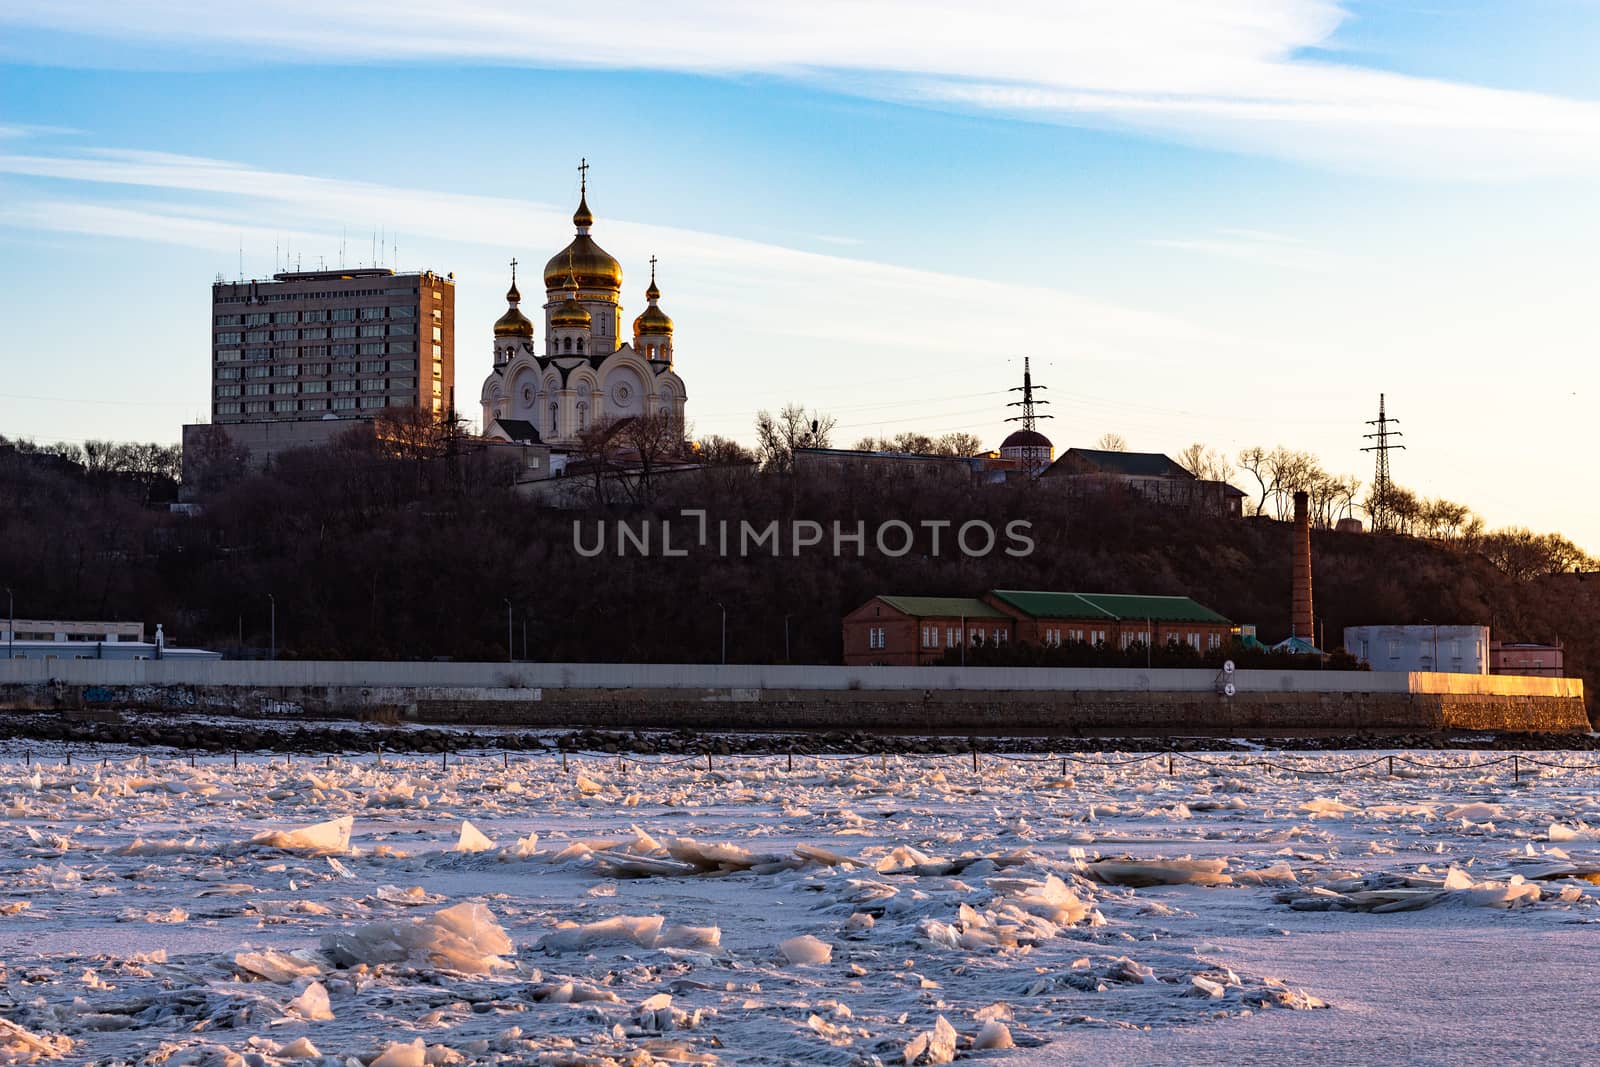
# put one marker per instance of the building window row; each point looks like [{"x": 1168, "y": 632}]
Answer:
[{"x": 876, "y": 637}]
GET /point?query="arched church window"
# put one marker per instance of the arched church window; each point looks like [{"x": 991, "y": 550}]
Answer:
[
  {"x": 580, "y": 344},
  {"x": 651, "y": 351},
  {"x": 569, "y": 344},
  {"x": 554, "y": 411}
]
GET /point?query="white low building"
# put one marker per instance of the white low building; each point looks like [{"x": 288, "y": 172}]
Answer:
[{"x": 1423, "y": 647}]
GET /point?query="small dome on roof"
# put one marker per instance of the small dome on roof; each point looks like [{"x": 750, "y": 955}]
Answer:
[{"x": 1026, "y": 439}]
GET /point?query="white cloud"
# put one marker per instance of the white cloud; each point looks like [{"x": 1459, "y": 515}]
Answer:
[{"x": 1222, "y": 73}]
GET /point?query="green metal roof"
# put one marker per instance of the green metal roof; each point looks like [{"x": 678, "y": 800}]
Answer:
[
  {"x": 953, "y": 607},
  {"x": 1128, "y": 464},
  {"x": 1041, "y": 605}
]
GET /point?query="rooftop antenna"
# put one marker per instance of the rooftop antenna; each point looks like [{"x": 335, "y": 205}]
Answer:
[
  {"x": 1032, "y": 457},
  {"x": 374, "y": 261},
  {"x": 1382, "y": 486}
]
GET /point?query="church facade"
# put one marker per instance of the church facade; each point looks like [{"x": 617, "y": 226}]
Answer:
[{"x": 590, "y": 372}]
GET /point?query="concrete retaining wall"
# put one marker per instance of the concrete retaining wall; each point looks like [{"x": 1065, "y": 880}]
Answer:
[{"x": 907, "y": 699}]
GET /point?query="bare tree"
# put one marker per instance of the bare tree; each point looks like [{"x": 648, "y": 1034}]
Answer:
[
  {"x": 1205, "y": 463},
  {"x": 958, "y": 444},
  {"x": 777, "y": 438},
  {"x": 652, "y": 440},
  {"x": 716, "y": 450},
  {"x": 1112, "y": 442}
]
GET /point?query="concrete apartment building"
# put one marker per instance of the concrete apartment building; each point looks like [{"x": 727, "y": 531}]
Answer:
[{"x": 299, "y": 358}]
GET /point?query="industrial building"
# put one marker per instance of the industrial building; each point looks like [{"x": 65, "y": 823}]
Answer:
[{"x": 1425, "y": 647}]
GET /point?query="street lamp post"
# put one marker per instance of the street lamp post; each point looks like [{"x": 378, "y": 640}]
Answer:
[
  {"x": 510, "y": 648},
  {"x": 273, "y": 626},
  {"x": 724, "y": 608},
  {"x": 786, "y": 619},
  {"x": 11, "y": 625}
]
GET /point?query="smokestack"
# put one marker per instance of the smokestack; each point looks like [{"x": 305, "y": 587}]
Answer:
[{"x": 1301, "y": 624}]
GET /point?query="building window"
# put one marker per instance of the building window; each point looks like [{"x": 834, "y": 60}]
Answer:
[
  {"x": 374, "y": 366},
  {"x": 344, "y": 386},
  {"x": 342, "y": 331},
  {"x": 232, "y": 338},
  {"x": 227, "y": 320},
  {"x": 438, "y": 352},
  {"x": 261, "y": 370},
  {"x": 409, "y": 365},
  {"x": 1394, "y": 649},
  {"x": 403, "y": 329},
  {"x": 401, "y": 346},
  {"x": 372, "y": 331},
  {"x": 343, "y": 403},
  {"x": 257, "y": 389},
  {"x": 401, "y": 401},
  {"x": 227, "y": 373},
  {"x": 343, "y": 315},
  {"x": 373, "y": 385},
  {"x": 402, "y": 312},
  {"x": 258, "y": 336},
  {"x": 314, "y": 316},
  {"x": 286, "y": 335},
  {"x": 289, "y": 370},
  {"x": 314, "y": 387},
  {"x": 228, "y": 355},
  {"x": 283, "y": 316},
  {"x": 228, "y": 409},
  {"x": 257, "y": 318},
  {"x": 227, "y": 390},
  {"x": 284, "y": 405},
  {"x": 285, "y": 388},
  {"x": 372, "y": 313},
  {"x": 255, "y": 407},
  {"x": 372, "y": 401},
  {"x": 319, "y": 333}
]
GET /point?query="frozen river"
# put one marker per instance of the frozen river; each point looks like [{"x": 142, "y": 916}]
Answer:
[{"x": 1230, "y": 907}]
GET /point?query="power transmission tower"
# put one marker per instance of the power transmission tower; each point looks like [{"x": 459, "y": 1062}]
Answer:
[
  {"x": 1032, "y": 451},
  {"x": 1382, "y": 486}
]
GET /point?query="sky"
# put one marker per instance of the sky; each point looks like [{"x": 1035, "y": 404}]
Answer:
[{"x": 1235, "y": 222}]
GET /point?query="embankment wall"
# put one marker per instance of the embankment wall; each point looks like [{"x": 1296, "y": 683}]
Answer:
[{"x": 984, "y": 700}]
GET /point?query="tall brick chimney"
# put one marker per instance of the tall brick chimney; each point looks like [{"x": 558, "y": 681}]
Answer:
[{"x": 1301, "y": 623}]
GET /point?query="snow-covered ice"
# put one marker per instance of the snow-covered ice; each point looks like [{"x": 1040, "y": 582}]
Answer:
[{"x": 845, "y": 912}]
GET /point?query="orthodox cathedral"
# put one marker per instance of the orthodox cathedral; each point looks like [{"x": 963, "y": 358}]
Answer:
[{"x": 589, "y": 373}]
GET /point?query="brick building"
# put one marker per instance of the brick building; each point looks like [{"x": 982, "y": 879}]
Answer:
[
  {"x": 912, "y": 631},
  {"x": 908, "y": 631},
  {"x": 1114, "y": 620},
  {"x": 1539, "y": 661}
]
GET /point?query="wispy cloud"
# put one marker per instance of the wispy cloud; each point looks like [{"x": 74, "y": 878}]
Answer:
[
  {"x": 1223, "y": 73},
  {"x": 1254, "y": 246}
]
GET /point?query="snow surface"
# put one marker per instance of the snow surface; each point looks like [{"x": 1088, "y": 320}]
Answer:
[{"x": 851, "y": 911}]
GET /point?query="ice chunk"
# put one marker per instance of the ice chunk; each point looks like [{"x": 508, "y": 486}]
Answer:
[
  {"x": 642, "y": 930},
  {"x": 410, "y": 1054},
  {"x": 463, "y": 937},
  {"x": 1278, "y": 874},
  {"x": 994, "y": 1034},
  {"x": 472, "y": 839},
  {"x": 522, "y": 848},
  {"x": 935, "y": 1046},
  {"x": 690, "y": 937},
  {"x": 312, "y": 1003},
  {"x": 805, "y": 949},
  {"x": 22, "y": 1046},
  {"x": 328, "y": 837},
  {"x": 1577, "y": 832},
  {"x": 1142, "y": 873},
  {"x": 1051, "y": 900},
  {"x": 1327, "y": 807},
  {"x": 1477, "y": 812},
  {"x": 275, "y": 966},
  {"x": 300, "y": 1048}
]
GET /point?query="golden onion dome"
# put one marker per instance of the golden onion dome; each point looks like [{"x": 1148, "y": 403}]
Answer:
[
  {"x": 571, "y": 313},
  {"x": 652, "y": 321},
  {"x": 591, "y": 266},
  {"x": 513, "y": 324},
  {"x": 583, "y": 216}
]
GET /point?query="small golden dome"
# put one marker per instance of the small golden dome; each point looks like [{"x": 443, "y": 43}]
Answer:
[
  {"x": 513, "y": 324},
  {"x": 513, "y": 294},
  {"x": 652, "y": 321},
  {"x": 571, "y": 313},
  {"x": 583, "y": 216}
]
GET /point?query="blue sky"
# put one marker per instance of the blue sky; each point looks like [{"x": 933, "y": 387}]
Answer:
[{"x": 1234, "y": 222}]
